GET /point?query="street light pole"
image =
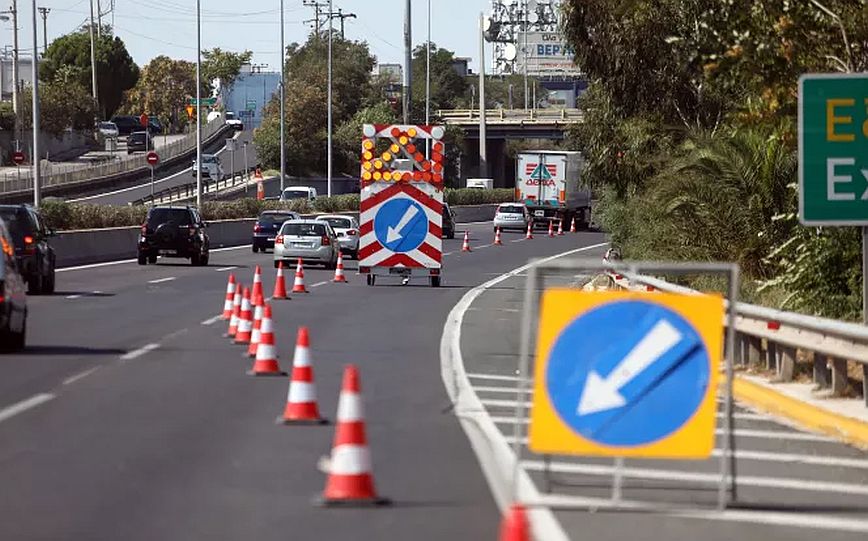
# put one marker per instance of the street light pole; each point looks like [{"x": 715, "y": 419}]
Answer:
[
  {"x": 428, "y": 82},
  {"x": 92, "y": 62},
  {"x": 483, "y": 158},
  {"x": 15, "y": 77},
  {"x": 329, "y": 137},
  {"x": 198, "y": 104},
  {"x": 37, "y": 196},
  {"x": 408, "y": 57},
  {"x": 44, "y": 12},
  {"x": 524, "y": 51},
  {"x": 282, "y": 104}
]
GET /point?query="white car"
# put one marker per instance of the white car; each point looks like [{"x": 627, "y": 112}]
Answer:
[
  {"x": 109, "y": 130},
  {"x": 298, "y": 192},
  {"x": 511, "y": 216},
  {"x": 310, "y": 240},
  {"x": 232, "y": 122},
  {"x": 211, "y": 167},
  {"x": 347, "y": 229}
]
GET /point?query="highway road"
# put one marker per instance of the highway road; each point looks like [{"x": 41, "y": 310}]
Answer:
[
  {"x": 129, "y": 417},
  {"x": 178, "y": 175}
]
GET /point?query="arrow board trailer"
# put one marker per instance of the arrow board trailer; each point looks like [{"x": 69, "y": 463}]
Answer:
[
  {"x": 401, "y": 208},
  {"x": 549, "y": 183}
]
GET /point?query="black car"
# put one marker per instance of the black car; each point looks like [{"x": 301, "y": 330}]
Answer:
[
  {"x": 174, "y": 232},
  {"x": 34, "y": 255},
  {"x": 13, "y": 300},
  {"x": 448, "y": 222},
  {"x": 127, "y": 124},
  {"x": 139, "y": 141},
  {"x": 267, "y": 226}
]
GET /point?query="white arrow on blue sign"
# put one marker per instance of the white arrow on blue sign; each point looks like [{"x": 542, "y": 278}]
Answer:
[{"x": 401, "y": 225}]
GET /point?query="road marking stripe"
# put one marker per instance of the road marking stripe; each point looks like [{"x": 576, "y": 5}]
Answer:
[
  {"x": 81, "y": 375},
  {"x": 161, "y": 280},
  {"x": 125, "y": 261},
  {"x": 211, "y": 321},
  {"x": 139, "y": 352},
  {"x": 483, "y": 246},
  {"x": 224, "y": 269},
  {"x": 447, "y": 253},
  {"x": 320, "y": 284},
  {"x": 494, "y": 376},
  {"x": 24, "y": 405},
  {"x": 517, "y": 240},
  {"x": 74, "y": 296}
]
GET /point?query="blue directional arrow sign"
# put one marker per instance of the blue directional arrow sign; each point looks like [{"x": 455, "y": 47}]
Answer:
[
  {"x": 627, "y": 373},
  {"x": 401, "y": 225}
]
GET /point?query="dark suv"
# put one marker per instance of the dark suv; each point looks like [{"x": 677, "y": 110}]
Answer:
[
  {"x": 139, "y": 141},
  {"x": 127, "y": 124},
  {"x": 34, "y": 254},
  {"x": 266, "y": 228},
  {"x": 174, "y": 232}
]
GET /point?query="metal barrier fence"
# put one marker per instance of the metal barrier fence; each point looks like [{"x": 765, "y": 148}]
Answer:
[
  {"x": 773, "y": 338},
  {"x": 58, "y": 174},
  {"x": 187, "y": 191},
  {"x": 512, "y": 116}
]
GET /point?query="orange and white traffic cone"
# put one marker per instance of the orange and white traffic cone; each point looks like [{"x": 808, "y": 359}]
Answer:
[
  {"x": 236, "y": 311},
  {"x": 260, "y": 186},
  {"x": 256, "y": 335},
  {"x": 515, "y": 526},
  {"x": 298, "y": 285},
  {"x": 350, "y": 481},
  {"x": 266, "y": 354},
  {"x": 339, "y": 270},
  {"x": 560, "y": 227},
  {"x": 230, "y": 296},
  {"x": 301, "y": 406},
  {"x": 465, "y": 247},
  {"x": 257, "y": 295},
  {"x": 529, "y": 234},
  {"x": 497, "y": 241},
  {"x": 551, "y": 228},
  {"x": 279, "y": 285},
  {"x": 573, "y": 225},
  {"x": 245, "y": 320}
]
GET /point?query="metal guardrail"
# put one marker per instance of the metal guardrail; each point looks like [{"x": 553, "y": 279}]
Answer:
[
  {"x": 512, "y": 116},
  {"x": 187, "y": 191},
  {"x": 59, "y": 174},
  {"x": 765, "y": 336}
]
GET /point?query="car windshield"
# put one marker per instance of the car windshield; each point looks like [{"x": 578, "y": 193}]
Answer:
[
  {"x": 160, "y": 216},
  {"x": 295, "y": 194},
  {"x": 107, "y": 126},
  {"x": 303, "y": 230},
  {"x": 138, "y": 136},
  {"x": 209, "y": 158},
  {"x": 16, "y": 222},
  {"x": 271, "y": 219},
  {"x": 338, "y": 223},
  {"x": 510, "y": 209}
]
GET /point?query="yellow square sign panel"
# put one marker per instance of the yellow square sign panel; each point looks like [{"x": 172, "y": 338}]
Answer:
[{"x": 625, "y": 373}]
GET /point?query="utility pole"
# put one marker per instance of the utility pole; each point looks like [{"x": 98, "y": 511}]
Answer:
[
  {"x": 283, "y": 103},
  {"x": 340, "y": 15},
  {"x": 15, "y": 78},
  {"x": 99, "y": 20},
  {"x": 44, "y": 12},
  {"x": 524, "y": 52},
  {"x": 34, "y": 65},
  {"x": 428, "y": 82},
  {"x": 318, "y": 14},
  {"x": 92, "y": 63},
  {"x": 408, "y": 57},
  {"x": 330, "y": 119},
  {"x": 198, "y": 103},
  {"x": 483, "y": 158}
]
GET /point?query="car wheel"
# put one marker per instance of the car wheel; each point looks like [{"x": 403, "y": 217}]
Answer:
[
  {"x": 50, "y": 282},
  {"x": 35, "y": 284},
  {"x": 204, "y": 260},
  {"x": 152, "y": 259},
  {"x": 195, "y": 260},
  {"x": 371, "y": 279},
  {"x": 255, "y": 248},
  {"x": 18, "y": 339},
  {"x": 435, "y": 281},
  {"x": 143, "y": 260}
]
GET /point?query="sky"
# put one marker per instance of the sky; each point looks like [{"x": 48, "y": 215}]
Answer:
[{"x": 153, "y": 27}]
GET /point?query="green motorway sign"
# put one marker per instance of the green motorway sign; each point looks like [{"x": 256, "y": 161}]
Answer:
[
  {"x": 210, "y": 102},
  {"x": 833, "y": 149}
]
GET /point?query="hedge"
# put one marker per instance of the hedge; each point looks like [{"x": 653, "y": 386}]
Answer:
[{"x": 64, "y": 216}]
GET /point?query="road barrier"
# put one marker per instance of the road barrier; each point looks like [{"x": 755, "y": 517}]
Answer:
[
  {"x": 187, "y": 192},
  {"x": 769, "y": 337}
]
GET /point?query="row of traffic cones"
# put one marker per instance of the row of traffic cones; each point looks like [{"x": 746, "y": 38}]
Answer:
[{"x": 465, "y": 246}]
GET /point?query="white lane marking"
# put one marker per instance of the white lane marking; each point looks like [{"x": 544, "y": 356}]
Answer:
[
  {"x": 475, "y": 223},
  {"x": 211, "y": 321},
  {"x": 320, "y": 284},
  {"x": 810, "y": 485},
  {"x": 517, "y": 240},
  {"x": 483, "y": 246},
  {"x": 73, "y": 296},
  {"x": 493, "y": 376},
  {"x": 448, "y": 253},
  {"x": 24, "y": 405},
  {"x": 126, "y": 261},
  {"x": 139, "y": 352},
  {"x": 81, "y": 375},
  {"x": 495, "y": 457},
  {"x": 224, "y": 269},
  {"x": 161, "y": 280}
]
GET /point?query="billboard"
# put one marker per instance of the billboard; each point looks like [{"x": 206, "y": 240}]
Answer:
[{"x": 548, "y": 53}]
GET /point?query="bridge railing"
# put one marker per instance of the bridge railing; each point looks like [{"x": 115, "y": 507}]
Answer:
[{"x": 516, "y": 116}]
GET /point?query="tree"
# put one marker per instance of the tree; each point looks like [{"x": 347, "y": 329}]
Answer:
[
  {"x": 223, "y": 65},
  {"x": 63, "y": 105},
  {"x": 116, "y": 71},
  {"x": 447, "y": 86},
  {"x": 348, "y": 136},
  {"x": 162, "y": 90}
]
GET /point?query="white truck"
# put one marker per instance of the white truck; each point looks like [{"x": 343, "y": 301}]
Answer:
[{"x": 550, "y": 183}]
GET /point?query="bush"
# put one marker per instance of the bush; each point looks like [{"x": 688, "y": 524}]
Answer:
[{"x": 471, "y": 196}]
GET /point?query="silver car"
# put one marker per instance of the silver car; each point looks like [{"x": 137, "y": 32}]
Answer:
[
  {"x": 347, "y": 229},
  {"x": 511, "y": 216},
  {"x": 311, "y": 240}
]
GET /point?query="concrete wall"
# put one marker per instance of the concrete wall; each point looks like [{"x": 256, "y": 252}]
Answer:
[{"x": 66, "y": 146}]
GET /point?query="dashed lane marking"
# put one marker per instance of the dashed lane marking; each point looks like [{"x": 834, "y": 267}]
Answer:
[
  {"x": 136, "y": 353},
  {"x": 81, "y": 375},
  {"x": 224, "y": 269},
  {"x": 127, "y": 261},
  {"x": 24, "y": 405},
  {"x": 319, "y": 284},
  {"x": 161, "y": 280},
  {"x": 211, "y": 321}
]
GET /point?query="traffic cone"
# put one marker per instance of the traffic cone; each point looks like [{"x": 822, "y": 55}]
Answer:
[
  {"x": 230, "y": 296},
  {"x": 298, "y": 285},
  {"x": 301, "y": 406},
  {"x": 339, "y": 270},
  {"x": 551, "y": 229},
  {"x": 279, "y": 285},
  {"x": 245, "y": 320},
  {"x": 529, "y": 231},
  {"x": 573, "y": 225},
  {"x": 497, "y": 241},
  {"x": 560, "y": 227},
  {"x": 350, "y": 481},
  {"x": 256, "y": 295},
  {"x": 465, "y": 247},
  {"x": 515, "y": 526},
  {"x": 266, "y": 356},
  {"x": 236, "y": 311},
  {"x": 256, "y": 335},
  {"x": 260, "y": 186}
]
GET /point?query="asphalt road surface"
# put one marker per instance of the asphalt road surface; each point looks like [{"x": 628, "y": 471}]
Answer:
[{"x": 130, "y": 417}]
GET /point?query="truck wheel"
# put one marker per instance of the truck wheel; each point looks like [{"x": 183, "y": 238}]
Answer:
[
  {"x": 435, "y": 281},
  {"x": 371, "y": 279},
  {"x": 143, "y": 260}
]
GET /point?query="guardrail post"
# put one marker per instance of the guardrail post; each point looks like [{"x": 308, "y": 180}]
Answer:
[
  {"x": 839, "y": 376},
  {"x": 740, "y": 347},
  {"x": 754, "y": 350},
  {"x": 822, "y": 374},
  {"x": 865, "y": 383},
  {"x": 787, "y": 366},
  {"x": 771, "y": 355}
]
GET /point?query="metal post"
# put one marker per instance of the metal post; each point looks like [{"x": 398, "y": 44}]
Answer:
[
  {"x": 232, "y": 162},
  {"x": 34, "y": 65},
  {"x": 283, "y": 102},
  {"x": 199, "y": 103},
  {"x": 408, "y": 59},
  {"x": 15, "y": 77},
  {"x": 524, "y": 51},
  {"x": 44, "y": 12},
  {"x": 727, "y": 458},
  {"x": 246, "y": 169},
  {"x": 329, "y": 128},
  {"x": 152, "y": 184},
  {"x": 532, "y": 288},
  {"x": 483, "y": 158},
  {"x": 98, "y": 19},
  {"x": 617, "y": 481},
  {"x": 428, "y": 82},
  {"x": 92, "y": 64}
]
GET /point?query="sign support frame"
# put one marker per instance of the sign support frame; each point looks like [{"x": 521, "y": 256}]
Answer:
[{"x": 534, "y": 288}]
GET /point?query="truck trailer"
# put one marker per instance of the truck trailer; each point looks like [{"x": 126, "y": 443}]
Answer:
[{"x": 550, "y": 183}]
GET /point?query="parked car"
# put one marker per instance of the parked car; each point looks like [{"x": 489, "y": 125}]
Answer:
[
  {"x": 34, "y": 255},
  {"x": 154, "y": 126},
  {"x": 311, "y": 240},
  {"x": 126, "y": 124},
  {"x": 13, "y": 300},
  {"x": 266, "y": 227},
  {"x": 109, "y": 130},
  {"x": 298, "y": 192},
  {"x": 347, "y": 230},
  {"x": 512, "y": 216},
  {"x": 174, "y": 231},
  {"x": 211, "y": 167},
  {"x": 233, "y": 122},
  {"x": 448, "y": 222},
  {"x": 139, "y": 141}
]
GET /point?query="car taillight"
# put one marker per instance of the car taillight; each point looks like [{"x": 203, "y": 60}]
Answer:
[
  {"x": 257, "y": 228},
  {"x": 279, "y": 239},
  {"x": 29, "y": 247},
  {"x": 352, "y": 232},
  {"x": 2, "y": 290},
  {"x": 325, "y": 240}
]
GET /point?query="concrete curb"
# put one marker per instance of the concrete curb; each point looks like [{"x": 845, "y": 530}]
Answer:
[{"x": 768, "y": 400}]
